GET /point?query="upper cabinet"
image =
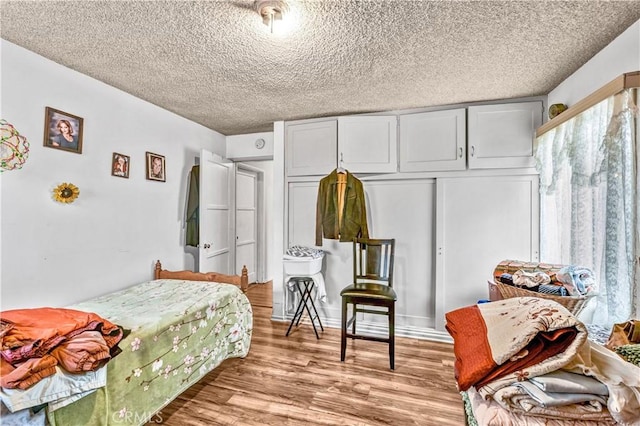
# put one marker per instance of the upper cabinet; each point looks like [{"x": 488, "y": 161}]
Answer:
[
  {"x": 501, "y": 136},
  {"x": 477, "y": 137},
  {"x": 433, "y": 141},
  {"x": 311, "y": 148},
  {"x": 361, "y": 144},
  {"x": 368, "y": 144}
]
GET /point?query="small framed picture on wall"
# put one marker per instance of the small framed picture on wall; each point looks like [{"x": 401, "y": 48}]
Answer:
[
  {"x": 155, "y": 167},
  {"x": 62, "y": 130},
  {"x": 120, "y": 165}
]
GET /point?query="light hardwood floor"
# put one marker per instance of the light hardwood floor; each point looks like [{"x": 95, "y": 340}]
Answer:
[{"x": 299, "y": 380}]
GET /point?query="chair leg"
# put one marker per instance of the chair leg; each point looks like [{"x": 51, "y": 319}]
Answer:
[
  {"x": 299, "y": 311},
  {"x": 353, "y": 324},
  {"x": 392, "y": 335},
  {"x": 343, "y": 340}
]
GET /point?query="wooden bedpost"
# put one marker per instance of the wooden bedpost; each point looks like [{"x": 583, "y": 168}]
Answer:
[
  {"x": 244, "y": 279},
  {"x": 158, "y": 269}
]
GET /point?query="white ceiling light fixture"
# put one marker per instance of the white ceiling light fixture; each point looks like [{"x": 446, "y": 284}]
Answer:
[{"x": 270, "y": 10}]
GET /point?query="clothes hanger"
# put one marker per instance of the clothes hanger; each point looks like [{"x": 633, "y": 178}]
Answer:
[{"x": 340, "y": 168}]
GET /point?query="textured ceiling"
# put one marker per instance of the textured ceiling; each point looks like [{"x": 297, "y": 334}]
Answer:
[{"x": 214, "y": 62}]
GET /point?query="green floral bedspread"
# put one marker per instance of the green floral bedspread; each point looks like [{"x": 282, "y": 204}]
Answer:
[{"x": 180, "y": 331}]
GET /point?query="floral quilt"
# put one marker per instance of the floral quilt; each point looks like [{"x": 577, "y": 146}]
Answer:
[{"x": 179, "y": 331}]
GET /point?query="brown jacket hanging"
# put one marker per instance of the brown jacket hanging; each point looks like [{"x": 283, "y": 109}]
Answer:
[{"x": 354, "y": 215}]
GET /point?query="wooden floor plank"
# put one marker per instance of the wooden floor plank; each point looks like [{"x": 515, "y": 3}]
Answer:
[{"x": 299, "y": 380}]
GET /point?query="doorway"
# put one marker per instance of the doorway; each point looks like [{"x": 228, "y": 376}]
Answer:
[{"x": 250, "y": 226}]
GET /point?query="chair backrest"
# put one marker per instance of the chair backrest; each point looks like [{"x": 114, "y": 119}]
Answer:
[{"x": 373, "y": 260}]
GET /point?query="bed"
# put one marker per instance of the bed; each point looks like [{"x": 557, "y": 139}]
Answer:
[{"x": 178, "y": 327}]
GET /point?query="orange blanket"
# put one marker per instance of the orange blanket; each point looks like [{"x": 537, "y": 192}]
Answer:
[
  {"x": 27, "y": 373},
  {"x": 35, "y": 340}
]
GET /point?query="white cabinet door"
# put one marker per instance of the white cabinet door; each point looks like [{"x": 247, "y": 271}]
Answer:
[
  {"x": 501, "y": 136},
  {"x": 433, "y": 141},
  {"x": 368, "y": 144},
  {"x": 479, "y": 222},
  {"x": 311, "y": 148}
]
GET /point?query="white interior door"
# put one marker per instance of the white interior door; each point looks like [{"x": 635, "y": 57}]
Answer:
[
  {"x": 216, "y": 215},
  {"x": 247, "y": 207}
]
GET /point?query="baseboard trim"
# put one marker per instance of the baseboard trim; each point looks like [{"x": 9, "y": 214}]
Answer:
[{"x": 380, "y": 330}]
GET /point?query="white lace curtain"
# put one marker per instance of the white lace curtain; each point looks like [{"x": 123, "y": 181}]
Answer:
[{"x": 589, "y": 200}]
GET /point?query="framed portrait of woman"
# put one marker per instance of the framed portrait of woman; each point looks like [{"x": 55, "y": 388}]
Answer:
[
  {"x": 62, "y": 130},
  {"x": 120, "y": 165},
  {"x": 155, "y": 167}
]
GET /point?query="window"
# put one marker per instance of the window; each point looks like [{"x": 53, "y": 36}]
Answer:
[{"x": 589, "y": 200}]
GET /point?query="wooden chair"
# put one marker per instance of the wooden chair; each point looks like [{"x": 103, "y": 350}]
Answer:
[{"x": 372, "y": 286}]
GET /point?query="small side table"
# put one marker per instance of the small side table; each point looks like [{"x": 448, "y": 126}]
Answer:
[{"x": 304, "y": 286}]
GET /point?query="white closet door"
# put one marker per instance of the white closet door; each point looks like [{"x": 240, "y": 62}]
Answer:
[
  {"x": 302, "y": 213},
  {"x": 411, "y": 226},
  {"x": 404, "y": 210},
  {"x": 479, "y": 222}
]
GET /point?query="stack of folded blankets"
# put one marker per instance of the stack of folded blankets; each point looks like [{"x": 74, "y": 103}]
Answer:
[
  {"x": 527, "y": 360},
  {"x": 51, "y": 357}
]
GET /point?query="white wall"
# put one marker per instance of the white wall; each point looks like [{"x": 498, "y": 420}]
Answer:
[
  {"x": 620, "y": 56},
  {"x": 277, "y": 243},
  {"x": 55, "y": 254}
]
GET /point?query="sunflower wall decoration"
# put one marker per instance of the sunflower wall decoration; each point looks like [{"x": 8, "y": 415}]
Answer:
[
  {"x": 14, "y": 148},
  {"x": 66, "y": 193}
]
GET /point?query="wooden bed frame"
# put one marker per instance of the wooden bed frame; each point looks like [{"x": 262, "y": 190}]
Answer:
[
  {"x": 96, "y": 410},
  {"x": 241, "y": 281}
]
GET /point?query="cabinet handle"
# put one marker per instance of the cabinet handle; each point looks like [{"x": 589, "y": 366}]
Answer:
[
  {"x": 461, "y": 152},
  {"x": 473, "y": 150}
]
